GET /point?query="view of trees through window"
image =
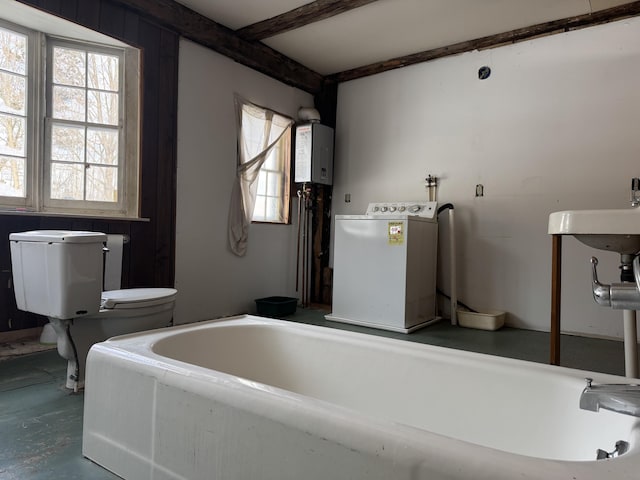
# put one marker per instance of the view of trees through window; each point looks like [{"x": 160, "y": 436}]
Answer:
[
  {"x": 85, "y": 111},
  {"x": 83, "y": 118},
  {"x": 13, "y": 113}
]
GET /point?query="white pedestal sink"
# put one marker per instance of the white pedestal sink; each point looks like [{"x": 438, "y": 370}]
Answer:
[
  {"x": 611, "y": 230},
  {"x": 614, "y": 231}
]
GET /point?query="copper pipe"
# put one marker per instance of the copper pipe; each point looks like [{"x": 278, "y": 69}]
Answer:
[{"x": 298, "y": 239}]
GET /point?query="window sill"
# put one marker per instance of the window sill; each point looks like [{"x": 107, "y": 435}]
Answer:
[
  {"x": 27, "y": 213},
  {"x": 266, "y": 222}
]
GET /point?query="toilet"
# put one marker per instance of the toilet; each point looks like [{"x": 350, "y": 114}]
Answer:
[{"x": 59, "y": 274}]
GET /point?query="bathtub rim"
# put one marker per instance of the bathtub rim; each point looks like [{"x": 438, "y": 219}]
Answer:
[{"x": 139, "y": 349}]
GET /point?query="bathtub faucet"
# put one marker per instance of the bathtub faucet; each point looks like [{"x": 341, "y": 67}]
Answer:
[{"x": 620, "y": 398}]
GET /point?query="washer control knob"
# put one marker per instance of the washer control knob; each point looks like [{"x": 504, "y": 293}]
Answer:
[
  {"x": 384, "y": 209},
  {"x": 415, "y": 208},
  {"x": 376, "y": 208},
  {"x": 392, "y": 208},
  {"x": 402, "y": 208}
]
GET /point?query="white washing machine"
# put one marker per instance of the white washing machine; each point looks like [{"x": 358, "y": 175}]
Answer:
[{"x": 384, "y": 268}]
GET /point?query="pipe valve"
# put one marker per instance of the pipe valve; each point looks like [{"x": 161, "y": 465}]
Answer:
[
  {"x": 635, "y": 192},
  {"x": 619, "y": 296}
]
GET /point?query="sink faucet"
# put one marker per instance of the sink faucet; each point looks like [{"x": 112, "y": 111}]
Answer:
[
  {"x": 620, "y": 398},
  {"x": 635, "y": 192}
]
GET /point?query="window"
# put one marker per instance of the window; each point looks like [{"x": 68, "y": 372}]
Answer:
[
  {"x": 68, "y": 125},
  {"x": 272, "y": 197},
  {"x": 261, "y": 187},
  {"x": 265, "y": 159},
  {"x": 14, "y": 119}
]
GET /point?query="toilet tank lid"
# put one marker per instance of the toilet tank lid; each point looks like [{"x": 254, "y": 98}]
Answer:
[
  {"x": 137, "y": 297},
  {"x": 59, "y": 236}
]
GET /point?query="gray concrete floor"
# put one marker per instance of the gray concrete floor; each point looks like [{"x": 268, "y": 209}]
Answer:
[{"x": 41, "y": 422}]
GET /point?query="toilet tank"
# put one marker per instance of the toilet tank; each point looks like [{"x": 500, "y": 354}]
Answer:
[{"x": 57, "y": 273}]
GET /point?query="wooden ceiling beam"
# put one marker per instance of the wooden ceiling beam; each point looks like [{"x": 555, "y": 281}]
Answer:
[
  {"x": 299, "y": 17},
  {"x": 527, "y": 33},
  {"x": 225, "y": 41}
]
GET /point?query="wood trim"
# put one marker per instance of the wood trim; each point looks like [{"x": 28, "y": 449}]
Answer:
[
  {"x": 326, "y": 102},
  {"x": 225, "y": 41},
  {"x": 556, "y": 280},
  {"x": 20, "y": 335},
  {"x": 299, "y": 17},
  {"x": 513, "y": 36},
  {"x": 262, "y": 58}
]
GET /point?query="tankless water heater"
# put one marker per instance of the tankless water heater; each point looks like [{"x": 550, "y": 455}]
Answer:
[{"x": 314, "y": 154}]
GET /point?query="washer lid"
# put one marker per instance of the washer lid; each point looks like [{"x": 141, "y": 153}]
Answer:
[
  {"x": 137, "y": 297},
  {"x": 59, "y": 236}
]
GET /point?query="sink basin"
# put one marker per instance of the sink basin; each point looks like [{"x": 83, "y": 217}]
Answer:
[
  {"x": 623, "y": 244},
  {"x": 612, "y": 230}
]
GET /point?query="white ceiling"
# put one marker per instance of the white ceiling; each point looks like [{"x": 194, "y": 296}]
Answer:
[{"x": 390, "y": 28}]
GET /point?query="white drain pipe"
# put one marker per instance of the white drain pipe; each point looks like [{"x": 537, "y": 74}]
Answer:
[
  {"x": 630, "y": 343},
  {"x": 452, "y": 266},
  {"x": 630, "y": 329}
]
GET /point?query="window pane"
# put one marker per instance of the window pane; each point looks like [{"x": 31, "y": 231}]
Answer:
[
  {"x": 67, "y": 143},
  {"x": 262, "y": 183},
  {"x": 103, "y": 72},
  {"x": 102, "y": 184},
  {"x": 67, "y": 181},
  {"x": 274, "y": 184},
  {"x": 12, "y": 135},
  {"x": 69, "y": 67},
  {"x": 258, "y": 210},
  {"x": 12, "y": 177},
  {"x": 272, "y": 209},
  {"x": 69, "y": 103},
  {"x": 271, "y": 163},
  {"x": 13, "y": 93},
  {"x": 102, "y": 107},
  {"x": 13, "y": 52},
  {"x": 102, "y": 146}
]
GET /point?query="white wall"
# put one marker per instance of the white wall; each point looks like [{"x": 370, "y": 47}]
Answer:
[
  {"x": 211, "y": 281},
  {"x": 555, "y": 127}
]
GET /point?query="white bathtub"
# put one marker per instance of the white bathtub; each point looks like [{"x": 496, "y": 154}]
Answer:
[{"x": 252, "y": 398}]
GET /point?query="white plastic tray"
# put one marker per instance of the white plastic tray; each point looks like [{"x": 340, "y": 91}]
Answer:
[{"x": 492, "y": 320}]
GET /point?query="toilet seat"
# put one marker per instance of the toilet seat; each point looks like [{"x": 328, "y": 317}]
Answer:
[{"x": 136, "y": 298}]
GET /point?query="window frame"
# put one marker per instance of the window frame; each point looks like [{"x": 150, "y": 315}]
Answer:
[
  {"x": 32, "y": 111},
  {"x": 39, "y": 121}
]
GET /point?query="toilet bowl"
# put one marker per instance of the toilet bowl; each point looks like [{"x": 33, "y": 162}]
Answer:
[
  {"x": 59, "y": 274},
  {"x": 122, "y": 311}
]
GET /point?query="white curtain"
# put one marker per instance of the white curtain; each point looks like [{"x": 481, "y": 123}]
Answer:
[{"x": 259, "y": 129}]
